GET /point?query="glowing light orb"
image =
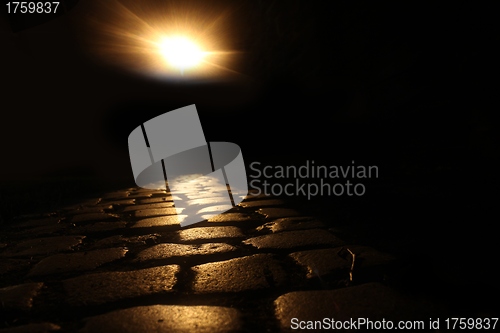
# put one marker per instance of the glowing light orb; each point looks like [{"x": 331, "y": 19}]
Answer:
[
  {"x": 181, "y": 53},
  {"x": 164, "y": 39}
]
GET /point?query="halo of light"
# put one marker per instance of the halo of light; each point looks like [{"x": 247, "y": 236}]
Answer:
[
  {"x": 164, "y": 40},
  {"x": 181, "y": 52}
]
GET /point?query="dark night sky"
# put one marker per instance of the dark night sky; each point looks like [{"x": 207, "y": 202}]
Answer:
[{"x": 405, "y": 87}]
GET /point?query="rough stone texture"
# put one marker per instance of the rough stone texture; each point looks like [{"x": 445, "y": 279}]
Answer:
[
  {"x": 116, "y": 195},
  {"x": 113, "y": 286},
  {"x": 241, "y": 274},
  {"x": 92, "y": 217},
  {"x": 209, "y": 233},
  {"x": 292, "y": 223},
  {"x": 166, "y": 318},
  {"x": 158, "y": 192},
  {"x": 12, "y": 265},
  {"x": 38, "y": 223},
  {"x": 98, "y": 227},
  {"x": 119, "y": 240},
  {"x": 337, "y": 261},
  {"x": 230, "y": 217},
  {"x": 160, "y": 221},
  {"x": 275, "y": 213},
  {"x": 219, "y": 209},
  {"x": 89, "y": 210},
  {"x": 261, "y": 203},
  {"x": 155, "y": 212},
  {"x": 43, "y": 246},
  {"x": 168, "y": 250},
  {"x": 43, "y": 230},
  {"x": 139, "y": 281},
  {"x": 373, "y": 301},
  {"x": 19, "y": 297},
  {"x": 90, "y": 203},
  {"x": 119, "y": 203},
  {"x": 292, "y": 239},
  {"x": 156, "y": 200},
  {"x": 32, "y": 328},
  {"x": 73, "y": 262},
  {"x": 140, "y": 196},
  {"x": 148, "y": 206}
]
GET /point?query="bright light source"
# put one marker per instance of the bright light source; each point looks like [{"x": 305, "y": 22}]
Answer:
[
  {"x": 165, "y": 40},
  {"x": 181, "y": 53}
]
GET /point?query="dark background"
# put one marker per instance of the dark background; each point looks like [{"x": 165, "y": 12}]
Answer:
[{"x": 409, "y": 88}]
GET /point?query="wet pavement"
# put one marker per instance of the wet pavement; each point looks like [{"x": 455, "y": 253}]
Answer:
[{"x": 122, "y": 263}]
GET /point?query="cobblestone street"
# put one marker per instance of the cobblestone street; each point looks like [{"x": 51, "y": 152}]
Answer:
[
  {"x": 121, "y": 263},
  {"x": 365, "y": 130}
]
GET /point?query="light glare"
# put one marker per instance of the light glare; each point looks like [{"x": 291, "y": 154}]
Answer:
[
  {"x": 163, "y": 39},
  {"x": 181, "y": 53}
]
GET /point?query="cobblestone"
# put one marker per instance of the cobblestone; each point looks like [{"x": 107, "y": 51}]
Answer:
[
  {"x": 292, "y": 223},
  {"x": 156, "y": 200},
  {"x": 230, "y": 217},
  {"x": 92, "y": 217},
  {"x": 116, "y": 195},
  {"x": 119, "y": 203},
  {"x": 338, "y": 262},
  {"x": 12, "y": 265},
  {"x": 100, "y": 288},
  {"x": 160, "y": 221},
  {"x": 19, "y": 297},
  {"x": 43, "y": 246},
  {"x": 276, "y": 213},
  {"x": 43, "y": 230},
  {"x": 155, "y": 212},
  {"x": 73, "y": 262},
  {"x": 214, "y": 209},
  {"x": 89, "y": 210},
  {"x": 148, "y": 206},
  {"x": 294, "y": 239},
  {"x": 373, "y": 301},
  {"x": 38, "y": 223},
  {"x": 241, "y": 274},
  {"x": 124, "y": 264},
  {"x": 140, "y": 196},
  {"x": 168, "y": 250},
  {"x": 166, "y": 318},
  {"x": 119, "y": 240},
  {"x": 32, "y": 328},
  {"x": 206, "y": 233},
  {"x": 98, "y": 227}
]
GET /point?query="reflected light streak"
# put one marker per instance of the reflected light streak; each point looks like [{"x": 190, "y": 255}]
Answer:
[{"x": 164, "y": 39}]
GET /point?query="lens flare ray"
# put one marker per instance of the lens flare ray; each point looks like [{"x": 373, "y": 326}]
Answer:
[{"x": 166, "y": 39}]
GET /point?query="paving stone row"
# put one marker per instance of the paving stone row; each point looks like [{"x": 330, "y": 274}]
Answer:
[{"x": 122, "y": 263}]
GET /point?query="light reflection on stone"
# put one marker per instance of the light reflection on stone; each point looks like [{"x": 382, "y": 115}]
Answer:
[
  {"x": 196, "y": 198},
  {"x": 167, "y": 318},
  {"x": 160, "y": 221},
  {"x": 218, "y": 209},
  {"x": 201, "y": 198}
]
